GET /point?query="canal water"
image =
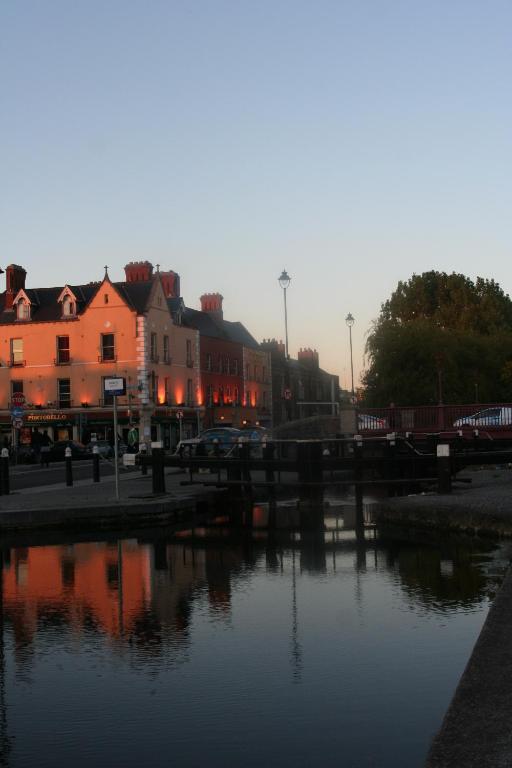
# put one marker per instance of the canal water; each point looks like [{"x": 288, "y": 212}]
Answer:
[{"x": 235, "y": 647}]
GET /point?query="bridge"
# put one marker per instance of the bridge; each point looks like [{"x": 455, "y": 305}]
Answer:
[
  {"x": 493, "y": 420},
  {"x": 308, "y": 467}
]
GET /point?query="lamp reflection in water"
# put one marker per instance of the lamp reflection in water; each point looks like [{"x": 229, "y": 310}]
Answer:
[{"x": 295, "y": 644}]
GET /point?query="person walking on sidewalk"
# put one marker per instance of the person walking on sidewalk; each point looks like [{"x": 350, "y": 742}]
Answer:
[{"x": 45, "y": 449}]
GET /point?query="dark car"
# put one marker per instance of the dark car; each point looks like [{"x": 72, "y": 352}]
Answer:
[
  {"x": 25, "y": 454},
  {"x": 225, "y": 437},
  {"x": 58, "y": 450}
]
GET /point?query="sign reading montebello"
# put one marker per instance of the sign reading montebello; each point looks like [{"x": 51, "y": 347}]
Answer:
[{"x": 46, "y": 417}]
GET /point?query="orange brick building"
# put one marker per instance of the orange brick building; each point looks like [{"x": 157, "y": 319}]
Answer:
[{"x": 57, "y": 346}]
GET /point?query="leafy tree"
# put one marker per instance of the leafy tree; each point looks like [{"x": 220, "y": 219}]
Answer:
[{"x": 441, "y": 337}]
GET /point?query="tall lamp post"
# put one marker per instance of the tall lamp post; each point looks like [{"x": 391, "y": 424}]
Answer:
[
  {"x": 284, "y": 282},
  {"x": 350, "y": 322}
]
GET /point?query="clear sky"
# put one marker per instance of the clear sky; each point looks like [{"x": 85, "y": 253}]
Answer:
[{"x": 352, "y": 143}]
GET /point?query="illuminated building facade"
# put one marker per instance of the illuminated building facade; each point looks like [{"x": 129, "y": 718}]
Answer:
[{"x": 59, "y": 344}]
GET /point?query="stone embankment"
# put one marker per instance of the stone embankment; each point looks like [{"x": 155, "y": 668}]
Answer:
[
  {"x": 476, "y": 730},
  {"x": 88, "y": 505},
  {"x": 483, "y": 506}
]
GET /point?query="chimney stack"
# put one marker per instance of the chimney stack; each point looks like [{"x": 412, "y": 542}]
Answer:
[
  {"x": 212, "y": 303},
  {"x": 138, "y": 271},
  {"x": 171, "y": 284},
  {"x": 15, "y": 281},
  {"x": 308, "y": 356}
]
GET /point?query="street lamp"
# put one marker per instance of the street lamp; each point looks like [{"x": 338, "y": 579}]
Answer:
[
  {"x": 284, "y": 282},
  {"x": 350, "y": 322}
]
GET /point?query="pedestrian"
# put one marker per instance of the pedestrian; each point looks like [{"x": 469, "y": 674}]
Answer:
[
  {"x": 133, "y": 439},
  {"x": 45, "y": 449}
]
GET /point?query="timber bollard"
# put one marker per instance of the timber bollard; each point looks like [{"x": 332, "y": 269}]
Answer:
[
  {"x": 390, "y": 463},
  {"x": 234, "y": 472},
  {"x": 444, "y": 473},
  {"x": 143, "y": 454},
  {"x": 157, "y": 470},
  {"x": 358, "y": 478},
  {"x": 268, "y": 455},
  {"x": 5, "y": 471},
  {"x": 95, "y": 464},
  {"x": 69, "y": 467}
]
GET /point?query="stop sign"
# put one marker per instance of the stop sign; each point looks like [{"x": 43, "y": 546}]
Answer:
[{"x": 18, "y": 398}]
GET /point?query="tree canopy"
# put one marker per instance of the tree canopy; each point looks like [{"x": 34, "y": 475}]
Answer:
[{"x": 441, "y": 336}]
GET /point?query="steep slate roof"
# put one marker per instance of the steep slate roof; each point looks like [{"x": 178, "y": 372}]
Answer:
[
  {"x": 210, "y": 325},
  {"x": 46, "y": 308},
  {"x": 136, "y": 295}
]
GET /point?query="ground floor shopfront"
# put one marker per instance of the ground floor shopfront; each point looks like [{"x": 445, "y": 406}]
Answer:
[{"x": 168, "y": 425}]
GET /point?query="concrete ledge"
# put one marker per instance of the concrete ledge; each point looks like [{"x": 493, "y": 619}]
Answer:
[{"x": 476, "y": 731}]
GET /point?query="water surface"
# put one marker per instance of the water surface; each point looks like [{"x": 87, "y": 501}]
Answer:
[{"x": 235, "y": 648}]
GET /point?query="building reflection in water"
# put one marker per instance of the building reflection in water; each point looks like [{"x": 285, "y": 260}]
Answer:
[{"x": 142, "y": 595}]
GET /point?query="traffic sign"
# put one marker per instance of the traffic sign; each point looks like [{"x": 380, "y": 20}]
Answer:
[
  {"x": 17, "y": 412},
  {"x": 287, "y": 394},
  {"x": 179, "y": 414},
  {"x": 115, "y": 386},
  {"x": 17, "y": 423},
  {"x": 18, "y": 398}
]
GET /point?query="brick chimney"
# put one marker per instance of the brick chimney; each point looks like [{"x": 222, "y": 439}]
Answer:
[
  {"x": 272, "y": 345},
  {"x": 171, "y": 284},
  {"x": 138, "y": 271},
  {"x": 15, "y": 281},
  {"x": 308, "y": 356},
  {"x": 212, "y": 303}
]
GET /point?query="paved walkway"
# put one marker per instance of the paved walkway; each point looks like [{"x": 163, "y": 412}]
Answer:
[
  {"x": 483, "y": 506},
  {"x": 87, "y": 502}
]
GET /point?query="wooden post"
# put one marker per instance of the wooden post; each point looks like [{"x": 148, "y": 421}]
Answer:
[
  {"x": 5, "y": 471},
  {"x": 390, "y": 462},
  {"x": 358, "y": 478},
  {"x": 157, "y": 470},
  {"x": 69, "y": 467},
  {"x": 143, "y": 453},
  {"x": 95, "y": 464},
  {"x": 444, "y": 474}
]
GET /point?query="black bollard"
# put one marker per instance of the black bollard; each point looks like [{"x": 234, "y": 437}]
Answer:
[
  {"x": 95, "y": 465},
  {"x": 390, "y": 463},
  {"x": 358, "y": 478},
  {"x": 143, "y": 454},
  {"x": 157, "y": 470},
  {"x": 5, "y": 471},
  {"x": 268, "y": 455},
  {"x": 444, "y": 474},
  {"x": 69, "y": 467}
]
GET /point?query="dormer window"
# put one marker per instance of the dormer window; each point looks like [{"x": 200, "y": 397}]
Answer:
[
  {"x": 68, "y": 307},
  {"x": 22, "y": 306},
  {"x": 67, "y": 301},
  {"x": 23, "y": 310}
]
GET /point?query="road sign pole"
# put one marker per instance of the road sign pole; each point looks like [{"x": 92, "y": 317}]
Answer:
[{"x": 116, "y": 449}]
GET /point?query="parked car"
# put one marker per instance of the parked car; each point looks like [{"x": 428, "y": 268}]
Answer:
[
  {"x": 254, "y": 433},
  {"x": 489, "y": 417},
  {"x": 105, "y": 449},
  {"x": 368, "y": 421},
  {"x": 58, "y": 450},
  {"x": 25, "y": 454},
  {"x": 225, "y": 437}
]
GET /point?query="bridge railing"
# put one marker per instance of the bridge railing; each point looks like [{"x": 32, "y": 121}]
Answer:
[{"x": 435, "y": 418}]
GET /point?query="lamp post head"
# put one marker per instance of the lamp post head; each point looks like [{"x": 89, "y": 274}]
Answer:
[
  {"x": 284, "y": 279},
  {"x": 349, "y": 320}
]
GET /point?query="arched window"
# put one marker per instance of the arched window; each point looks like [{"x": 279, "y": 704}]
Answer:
[
  {"x": 68, "y": 306},
  {"x": 23, "y": 310}
]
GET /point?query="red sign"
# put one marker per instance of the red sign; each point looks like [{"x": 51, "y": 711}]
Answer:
[
  {"x": 18, "y": 398},
  {"x": 287, "y": 394}
]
